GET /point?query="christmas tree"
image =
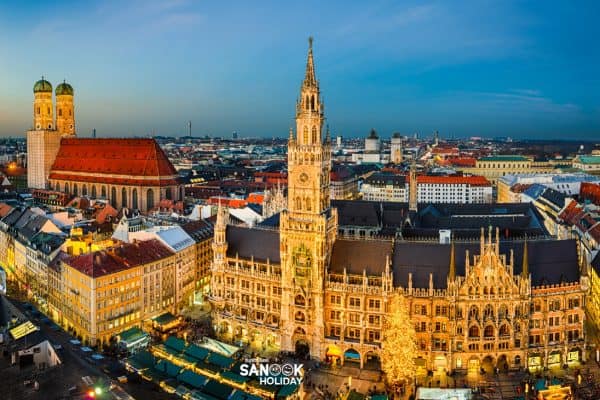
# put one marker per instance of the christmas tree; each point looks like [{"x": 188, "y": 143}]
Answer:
[{"x": 399, "y": 349}]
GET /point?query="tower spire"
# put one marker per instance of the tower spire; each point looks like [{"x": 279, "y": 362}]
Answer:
[
  {"x": 309, "y": 75},
  {"x": 525, "y": 269},
  {"x": 452, "y": 272}
]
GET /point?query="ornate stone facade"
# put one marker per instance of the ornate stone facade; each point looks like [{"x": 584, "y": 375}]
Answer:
[{"x": 497, "y": 303}]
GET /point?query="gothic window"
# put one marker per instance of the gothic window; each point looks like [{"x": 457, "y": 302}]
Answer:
[
  {"x": 150, "y": 199},
  {"x": 503, "y": 312},
  {"x": 488, "y": 312},
  {"x": 124, "y": 197},
  {"x": 307, "y": 103},
  {"x": 305, "y": 135},
  {"x": 308, "y": 207},
  {"x": 488, "y": 331},
  {"x": 314, "y": 134},
  {"x": 300, "y": 300},
  {"x": 299, "y": 317},
  {"x": 474, "y": 331},
  {"x": 134, "y": 199},
  {"x": 504, "y": 330},
  {"x": 48, "y": 110},
  {"x": 38, "y": 111},
  {"x": 60, "y": 112},
  {"x": 473, "y": 312},
  {"x": 312, "y": 102}
]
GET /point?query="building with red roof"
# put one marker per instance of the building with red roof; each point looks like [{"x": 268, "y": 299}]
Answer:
[{"x": 132, "y": 173}]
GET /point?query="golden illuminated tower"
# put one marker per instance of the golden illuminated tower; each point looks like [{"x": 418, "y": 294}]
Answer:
[
  {"x": 308, "y": 227},
  {"x": 65, "y": 110},
  {"x": 42, "y": 105}
]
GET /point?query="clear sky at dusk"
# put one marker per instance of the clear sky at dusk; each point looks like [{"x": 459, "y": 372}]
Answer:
[{"x": 490, "y": 68}]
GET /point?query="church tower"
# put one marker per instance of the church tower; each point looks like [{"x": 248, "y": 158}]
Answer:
[
  {"x": 65, "y": 110},
  {"x": 43, "y": 119},
  {"x": 308, "y": 226},
  {"x": 43, "y": 141}
]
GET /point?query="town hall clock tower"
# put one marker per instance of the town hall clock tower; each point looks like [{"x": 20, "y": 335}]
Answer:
[{"x": 308, "y": 226}]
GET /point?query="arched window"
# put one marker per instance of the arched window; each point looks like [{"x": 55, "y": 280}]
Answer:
[
  {"x": 314, "y": 134},
  {"x": 103, "y": 192},
  {"x": 300, "y": 300},
  {"x": 168, "y": 194},
  {"x": 58, "y": 186},
  {"x": 488, "y": 312},
  {"x": 134, "y": 199},
  {"x": 305, "y": 135},
  {"x": 298, "y": 203},
  {"x": 473, "y": 312},
  {"x": 113, "y": 197},
  {"x": 67, "y": 188},
  {"x": 503, "y": 311},
  {"x": 474, "y": 331},
  {"x": 38, "y": 111},
  {"x": 124, "y": 197},
  {"x": 307, "y": 103},
  {"x": 300, "y": 316},
  {"x": 488, "y": 331},
  {"x": 149, "y": 199},
  {"x": 75, "y": 189},
  {"x": 60, "y": 112},
  {"x": 84, "y": 190},
  {"x": 312, "y": 102},
  {"x": 504, "y": 330},
  {"x": 308, "y": 207},
  {"x": 94, "y": 192}
]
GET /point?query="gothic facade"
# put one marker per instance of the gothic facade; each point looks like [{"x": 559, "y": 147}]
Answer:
[{"x": 302, "y": 285}]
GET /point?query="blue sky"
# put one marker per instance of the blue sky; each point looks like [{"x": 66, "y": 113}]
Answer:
[{"x": 490, "y": 68}]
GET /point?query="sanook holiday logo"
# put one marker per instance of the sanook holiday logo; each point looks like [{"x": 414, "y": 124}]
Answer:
[{"x": 272, "y": 373}]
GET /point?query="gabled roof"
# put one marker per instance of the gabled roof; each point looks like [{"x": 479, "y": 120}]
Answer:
[{"x": 105, "y": 158}]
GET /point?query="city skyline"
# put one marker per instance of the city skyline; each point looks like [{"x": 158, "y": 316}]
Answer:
[{"x": 501, "y": 69}]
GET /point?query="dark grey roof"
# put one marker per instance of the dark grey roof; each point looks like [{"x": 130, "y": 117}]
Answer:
[
  {"x": 272, "y": 221},
  {"x": 550, "y": 261},
  {"x": 262, "y": 244},
  {"x": 357, "y": 213},
  {"x": 358, "y": 255},
  {"x": 386, "y": 179},
  {"x": 199, "y": 230}
]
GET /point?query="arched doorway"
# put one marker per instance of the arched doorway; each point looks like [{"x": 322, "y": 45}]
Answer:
[
  {"x": 302, "y": 349},
  {"x": 372, "y": 361},
  {"x": 473, "y": 366},
  {"x": 487, "y": 364},
  {"x": 352, "y": 355},
  {"x": 502, "y": 363}
]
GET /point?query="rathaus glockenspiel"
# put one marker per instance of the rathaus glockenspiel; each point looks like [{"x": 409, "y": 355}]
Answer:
[{"x": 487, "y": 285}]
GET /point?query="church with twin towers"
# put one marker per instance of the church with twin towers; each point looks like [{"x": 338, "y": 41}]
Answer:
[
  {"x": 303, "y": 281},
  {"x": 125, "y": 172}
]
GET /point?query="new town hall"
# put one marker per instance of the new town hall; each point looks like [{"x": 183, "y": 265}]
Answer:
[{"x": 486, "y": 284}]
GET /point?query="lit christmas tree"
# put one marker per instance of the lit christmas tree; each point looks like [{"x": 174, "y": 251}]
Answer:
[{"x": 398, "y": 349}]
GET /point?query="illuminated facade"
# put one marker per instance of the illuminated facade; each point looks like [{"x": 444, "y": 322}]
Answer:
[{"x": 503, "y": 302}]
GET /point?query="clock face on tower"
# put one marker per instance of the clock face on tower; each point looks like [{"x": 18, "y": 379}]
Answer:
[{"x": 303, "y": 178}]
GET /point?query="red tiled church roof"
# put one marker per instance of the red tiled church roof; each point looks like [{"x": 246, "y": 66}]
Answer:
[{"x": 109, "y": 157}]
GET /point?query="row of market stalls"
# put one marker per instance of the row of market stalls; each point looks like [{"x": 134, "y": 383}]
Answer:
[{"x": 207, "y": 371}]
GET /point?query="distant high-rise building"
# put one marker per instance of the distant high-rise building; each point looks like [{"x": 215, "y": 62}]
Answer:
[
  {"x": 338, "y": 142},
  {"x": 234, "y": 135}
]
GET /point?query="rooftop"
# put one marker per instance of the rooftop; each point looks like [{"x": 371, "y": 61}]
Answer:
[{"x": 504, "y": 158}]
